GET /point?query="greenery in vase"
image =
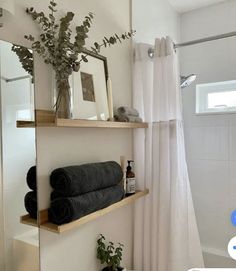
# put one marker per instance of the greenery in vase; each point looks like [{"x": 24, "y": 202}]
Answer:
[
  {"x": 110, "y": 255},
  {"x": 59, "y": 48}
]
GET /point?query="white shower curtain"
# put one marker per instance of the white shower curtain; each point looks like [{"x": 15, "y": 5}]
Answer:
[{"x": 166, "y": 235}]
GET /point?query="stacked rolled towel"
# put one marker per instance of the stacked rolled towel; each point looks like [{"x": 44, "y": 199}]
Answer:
[
  {"x": 127, "y": 114},
  {"x": 31, "y": 204},
  {"x": 30, "y": 200},
  {"x": 31, "y": 178},
  {"x": 81, "y": 190}
]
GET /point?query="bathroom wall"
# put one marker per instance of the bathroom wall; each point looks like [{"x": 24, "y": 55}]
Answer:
[
  {"x": 18, "y": 146},
  {"x": 61, "y": 147},
  {"x": 1, "y": 226},
  {"x": 76, "y": 250},
  {"x": 153, "y": 19},
  {"x": 210, "y": 139}
]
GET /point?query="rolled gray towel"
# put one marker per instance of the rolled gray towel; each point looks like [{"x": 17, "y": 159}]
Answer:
[
  {"x": 127, "y": 118},
  {"x": 31, "y": 178},
  {"x": 31, "y": 204},
  {"x": 65, "y": 210},
  {"x": 76, "y": 180},
  {"x": 127, "y": 111}
]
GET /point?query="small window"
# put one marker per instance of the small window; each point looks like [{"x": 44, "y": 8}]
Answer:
[{"x": 216, "y": 97}]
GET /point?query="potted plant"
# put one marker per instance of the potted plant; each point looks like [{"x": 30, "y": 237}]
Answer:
[
  {"x": 109, "y": 254},
  {"x": 64, "y": 51}
]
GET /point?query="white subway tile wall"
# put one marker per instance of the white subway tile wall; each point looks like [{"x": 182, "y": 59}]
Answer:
[{"x": 210, "y": 138}]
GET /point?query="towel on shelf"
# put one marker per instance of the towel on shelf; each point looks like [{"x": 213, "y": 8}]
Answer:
[
  {"x": 65, "y": 210},
  {"x": 125, "y": 110},
  {"x": 127, "y": 118},
  {"x": 127, "y": 114},
  {"x": 31, "y": 205},
  {"x": 31, "y": 178},
  {"x": 77, "y": 180}
]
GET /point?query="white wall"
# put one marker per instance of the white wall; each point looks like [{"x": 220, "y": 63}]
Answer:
[
  {"x": 210, "y": 139},
  {"x": 154, "y": 19},
  {"x": 61, "y": 147},
  {"x": 18, "y": 147},
  {"x": 75, "y": 250}
]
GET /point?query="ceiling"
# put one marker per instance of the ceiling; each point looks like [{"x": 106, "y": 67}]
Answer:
[{"x": 187, "y": 5}]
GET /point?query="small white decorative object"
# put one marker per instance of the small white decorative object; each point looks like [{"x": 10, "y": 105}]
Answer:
[{"x": 110, "y": 99}]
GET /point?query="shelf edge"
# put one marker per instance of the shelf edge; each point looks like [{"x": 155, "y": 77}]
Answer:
[
  {"x": 46, "y": 118},
  {"x": 27, "y": 220},
  {"x": 77, "y": 223}
]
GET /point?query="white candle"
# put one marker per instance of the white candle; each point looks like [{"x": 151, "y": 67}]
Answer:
[{"x": 110, "y": 99}]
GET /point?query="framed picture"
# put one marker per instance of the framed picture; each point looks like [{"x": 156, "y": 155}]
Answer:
[{"x": 89, "y": 91}]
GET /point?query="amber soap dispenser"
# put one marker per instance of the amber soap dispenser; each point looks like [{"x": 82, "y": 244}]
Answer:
[{"x": 130, "y": 180}]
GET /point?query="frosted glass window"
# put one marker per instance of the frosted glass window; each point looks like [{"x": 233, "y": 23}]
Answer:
[
  {"x": 222, "y": 99},
  {"x": 216, "y": 97}
]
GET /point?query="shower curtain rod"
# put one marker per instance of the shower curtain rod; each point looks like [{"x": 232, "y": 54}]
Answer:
[
  {"x": 198, "y": 41},
  {"x": 212, "y": 38}
]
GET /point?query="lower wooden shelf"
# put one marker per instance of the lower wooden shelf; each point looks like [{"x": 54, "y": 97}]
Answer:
[
  {"x": 27, "y": 220},
  {"x": 77, "y": 223}
]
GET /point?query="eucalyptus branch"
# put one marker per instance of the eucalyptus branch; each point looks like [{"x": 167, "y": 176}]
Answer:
[
  {"x": 107, "y": 42},
  {"x": 57, "y": 48},
  {"x": 55, "y": 45},
  {"x": 112, "y": 40}
]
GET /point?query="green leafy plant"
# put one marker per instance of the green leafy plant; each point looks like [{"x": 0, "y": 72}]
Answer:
[
  {"x": 58, "y": 48},
  {"x": 25, "y": 57},
  {"x": 109, "y": 254}
]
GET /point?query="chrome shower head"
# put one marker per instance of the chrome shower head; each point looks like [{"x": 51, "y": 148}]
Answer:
[{"x": 186, "y": 81}]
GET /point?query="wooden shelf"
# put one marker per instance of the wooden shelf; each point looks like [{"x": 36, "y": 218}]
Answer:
[
  {"x": 99, "y": 124},
  {"x": 25, "y": 124},
  {"x": 77, "y": 223},
  {"x": 48, "y": 119},
  {"x": 27, "y": 220}
]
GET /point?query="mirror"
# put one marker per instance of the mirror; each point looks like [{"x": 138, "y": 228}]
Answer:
[{"x": 19, "y": 244}]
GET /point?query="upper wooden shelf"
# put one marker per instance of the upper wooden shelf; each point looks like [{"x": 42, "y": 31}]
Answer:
[
  {"x": 47, "y": 119},
  {"x": 77, "y": 223}
]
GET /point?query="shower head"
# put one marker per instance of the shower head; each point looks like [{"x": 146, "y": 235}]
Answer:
[{"x": 186, "y": 81}]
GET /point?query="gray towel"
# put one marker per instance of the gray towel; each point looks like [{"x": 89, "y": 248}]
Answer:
[
  {"x": 65, "y": 210},
  {"x": 31, "y": 178},
  {"x": 127, "y": 111},
  {"x": 76, "y": 180},
  {"x": 127, "y": 118},
  {"x": 31, "y": 204}
]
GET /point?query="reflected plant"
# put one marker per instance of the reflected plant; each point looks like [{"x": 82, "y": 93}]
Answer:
[
  {"x": 61, "y": 50},
  {"x": 26, "y": 58}
]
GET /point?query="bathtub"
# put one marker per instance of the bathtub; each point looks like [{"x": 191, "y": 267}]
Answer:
[
  {"x": 26, "y": 251},
  {"x": 214, "y": 258}
]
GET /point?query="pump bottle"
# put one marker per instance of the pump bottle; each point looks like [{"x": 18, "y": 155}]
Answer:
[{"x": 130, "y": 180}]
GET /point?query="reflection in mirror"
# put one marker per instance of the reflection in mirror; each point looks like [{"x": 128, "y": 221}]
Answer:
[{"x": 19, "y": 243}]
